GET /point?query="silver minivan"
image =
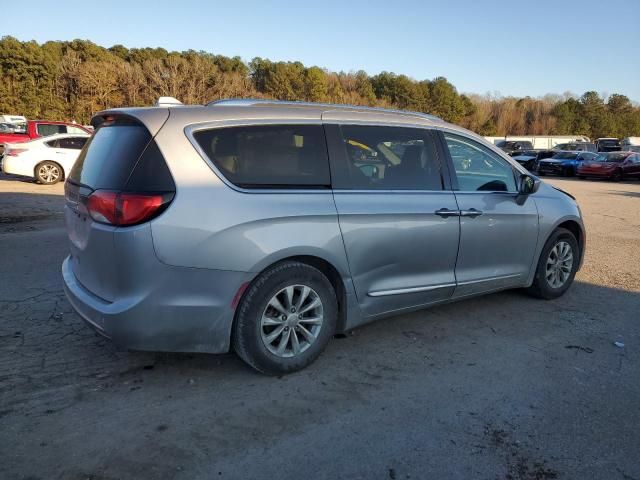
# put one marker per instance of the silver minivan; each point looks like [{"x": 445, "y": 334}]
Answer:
[{"x": 268, "y": 227}]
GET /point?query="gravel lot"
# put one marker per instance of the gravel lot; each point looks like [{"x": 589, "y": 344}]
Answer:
[{"x": 499, "y": 387}]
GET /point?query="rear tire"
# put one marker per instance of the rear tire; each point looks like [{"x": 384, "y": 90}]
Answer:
[
  {"x": 48, "y": 173},
  {"x": 285, "y": 319},
  {"x": 616, "y": 177},
  {"x": 554, "y": 274}
]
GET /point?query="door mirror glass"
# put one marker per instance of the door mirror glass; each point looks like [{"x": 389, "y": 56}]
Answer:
[
  {"x": 369, "y": 170},
  {"x": 528, "y": 185}
]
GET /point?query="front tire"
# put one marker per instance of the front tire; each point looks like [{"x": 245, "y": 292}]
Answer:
[
  {"x": 48, "y": 173},
  {"x": 286, "y": 318},
  {"x": 557, "y": 265},
  {"x": 616, "y": 177}
]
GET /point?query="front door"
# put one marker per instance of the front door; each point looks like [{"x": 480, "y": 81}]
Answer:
[
  {"x": 392, "y": 202},
  {"x": 498, "y": 227}
]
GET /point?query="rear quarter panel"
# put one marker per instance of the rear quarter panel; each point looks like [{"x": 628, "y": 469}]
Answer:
[{"x": 212, "y": 225}]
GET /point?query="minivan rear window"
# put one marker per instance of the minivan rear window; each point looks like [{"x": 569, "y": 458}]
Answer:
[
  {"x": 109, "y": 156},
  {"x": 269, "y": 156}
]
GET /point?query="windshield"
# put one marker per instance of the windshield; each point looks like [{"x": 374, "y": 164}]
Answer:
[
  {"x": 565, "y": 155},
  {"x": 612, "y": 157},
  {"x": 609, "y": 143}
]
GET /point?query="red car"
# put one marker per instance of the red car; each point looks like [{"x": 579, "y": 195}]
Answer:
[
  {"x": 612, "y": 166},
  {"x": 40, "y": 128}
]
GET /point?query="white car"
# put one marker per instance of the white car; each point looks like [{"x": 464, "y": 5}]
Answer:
[{"x": 47, "y": 159}]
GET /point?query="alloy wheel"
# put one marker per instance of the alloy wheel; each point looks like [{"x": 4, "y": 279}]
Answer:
[
  {"x": 49, "y": 173},
  {"x": 559, "y": 264},
  {"x": 291, "y": 321}
]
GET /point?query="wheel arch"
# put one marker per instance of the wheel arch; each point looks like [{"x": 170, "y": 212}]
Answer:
[
  {"x": 338, "y": 280},
  {"x": 37, "y": 165},
  {"x": 575, "y": 226}
]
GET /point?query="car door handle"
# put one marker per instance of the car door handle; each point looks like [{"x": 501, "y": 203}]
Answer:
[
  {"x": 445, "y": 212},
  {"x": 472, "y": 212}
]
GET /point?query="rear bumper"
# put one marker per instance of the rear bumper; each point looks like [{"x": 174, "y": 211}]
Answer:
[{"x": 187, "y": 310}]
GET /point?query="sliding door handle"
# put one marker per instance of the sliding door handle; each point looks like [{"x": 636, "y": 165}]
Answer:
[
  {"x": 472, "y": 212},
  {"x": 445, "y": 212}
]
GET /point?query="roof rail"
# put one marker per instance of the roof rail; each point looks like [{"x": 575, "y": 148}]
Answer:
[
  {"x": 249, "y": 102},
  {"x": 167, "y": 102}
]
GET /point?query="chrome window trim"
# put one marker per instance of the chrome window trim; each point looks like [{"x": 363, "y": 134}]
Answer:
[{"x": 391, "y": 191}]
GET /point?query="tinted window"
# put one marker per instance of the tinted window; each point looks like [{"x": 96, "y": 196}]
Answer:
[
  {"x": 44, "y": 129},
  {"x": 276, "y": 156},
  {"x": 74, "y": 143},
  {"x": 392, "y": 158},
  {"x": 109, "y": 156},
  {"x": 613, "y": 157},
  {"x": 477, "y": 168},
  {"x": 565, "y": 155}
]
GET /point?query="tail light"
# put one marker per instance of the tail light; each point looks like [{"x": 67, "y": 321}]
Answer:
[
  {"x": 14, "y": 152},
  {"x": 126, "y": 209}
]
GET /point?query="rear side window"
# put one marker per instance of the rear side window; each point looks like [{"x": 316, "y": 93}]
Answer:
[
  {"x": 45, "y": 129},
  {"x": 387, "y": 158},
  {"x": 73, "y": 143},
  {"x": 122, "y": 157},
  {"x": 269, "y": 156}
]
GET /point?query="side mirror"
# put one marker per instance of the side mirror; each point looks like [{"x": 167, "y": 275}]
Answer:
[
  {"x": 528, "y": 185},
  {"x": 370, "y": 171}
]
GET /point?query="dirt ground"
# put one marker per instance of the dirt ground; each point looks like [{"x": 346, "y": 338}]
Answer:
[{"x": 498, "y": 387}]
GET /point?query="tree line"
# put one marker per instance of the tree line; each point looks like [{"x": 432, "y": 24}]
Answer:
[{"x": 71, "y": 80}]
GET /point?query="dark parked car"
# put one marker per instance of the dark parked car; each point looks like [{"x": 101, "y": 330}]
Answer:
[
  {"x": 529, "y": 158},
  {"x": 612, "y": 166},
  {"x": 576, "y": 147},
  {"x": 608, "y": 145},
  {"x": 564, "y": 163},
  {"x": 512, "y": 147}
]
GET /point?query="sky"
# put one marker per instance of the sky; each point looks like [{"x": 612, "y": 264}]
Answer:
[{"x": 501, "y": 47}]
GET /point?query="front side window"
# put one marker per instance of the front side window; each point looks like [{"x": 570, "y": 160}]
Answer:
[
  {"x": 46, "y": 129},
  {"x": 388, "y": 158},
  {"x": 477, "y": 168},
  {"x": 269, "y": 156}
]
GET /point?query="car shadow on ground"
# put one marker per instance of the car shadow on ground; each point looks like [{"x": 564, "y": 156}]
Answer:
[
  {"x": 625, "y": 193},
  {"x": 510, "y": 314},
  {"x": 8, "y": 177},
  {"x": 461, "y": 377},
  {"x": 625, "y": 181}
]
